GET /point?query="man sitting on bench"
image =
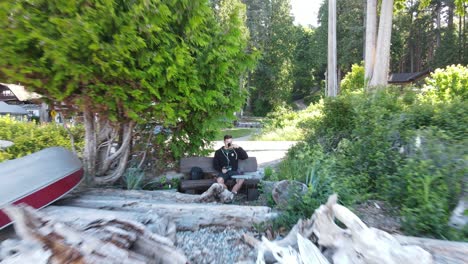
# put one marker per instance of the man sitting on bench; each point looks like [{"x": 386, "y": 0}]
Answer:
[{"x": 226, "y": 162}]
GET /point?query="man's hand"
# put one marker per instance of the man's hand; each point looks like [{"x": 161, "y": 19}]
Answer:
[{"x": 235, "y": 146}]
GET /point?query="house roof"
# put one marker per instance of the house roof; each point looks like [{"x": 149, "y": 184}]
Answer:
[
  {"x": 21, "y": 93},
  {"x": 405, "y": 77},
  {"x": 12, "y": 109}
]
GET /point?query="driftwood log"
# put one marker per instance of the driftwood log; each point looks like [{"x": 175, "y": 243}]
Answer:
[
  {"x": 355, "y": 244},
  {"x": 44, "y": 240},
  {"x": 188, "y": 212},
  {"x": 216, "y": 193}
]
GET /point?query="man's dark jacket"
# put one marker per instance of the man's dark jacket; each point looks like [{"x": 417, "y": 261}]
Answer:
[{"x": 223, "y": 158}]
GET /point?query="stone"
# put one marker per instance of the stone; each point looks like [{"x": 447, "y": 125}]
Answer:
[
  {"x": 458, "y": 218},
  {"x": 284, "y": 191},
  {"x": 5, "y": 144}
]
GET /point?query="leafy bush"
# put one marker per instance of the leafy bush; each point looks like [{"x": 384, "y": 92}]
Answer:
[
  {"x": 428, "y": 185},
  {"x": 448, "y": 84},
  {"x": 284, "y": 124},
  {"x": 353, "y": 80},
  {"x": 393, "y": 144},
  {"x": 29, "y": 137},
  {"x": 317, "y": 178}
]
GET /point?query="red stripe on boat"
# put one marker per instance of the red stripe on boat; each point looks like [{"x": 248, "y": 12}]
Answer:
[{"x": 46, "y": 195}]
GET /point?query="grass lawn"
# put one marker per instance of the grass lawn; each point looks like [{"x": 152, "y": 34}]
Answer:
[{"x": 235, "y": 132}]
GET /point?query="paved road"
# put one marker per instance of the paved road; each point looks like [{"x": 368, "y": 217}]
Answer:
[{"x": 268, "y": 153}]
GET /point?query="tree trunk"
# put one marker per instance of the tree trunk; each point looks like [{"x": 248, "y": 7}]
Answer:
[
  {"x": 450, "y": 14},
  {"x": 332, "y": 82},
  {"x": 438, "y": 23},
  {"x": 89, "y": 153},
  {"x": 382, "y": 57},
  {"x": 371, "y": 38},
  {"x": 102, "y": 165},
  {"x": 43, "y": 114},
  {"x": 112, "y": 165},
  {"x": 460, "y": 39}
]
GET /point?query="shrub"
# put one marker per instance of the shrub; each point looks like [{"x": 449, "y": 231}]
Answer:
[
  {"x": 428, "y": 185},
  {"x": 284, "y": 123},
  {"x": 133, "y": 178},
  {"x": 448, "y": 84},
  {"x": 353, "y": 80},
  {"x": 393, "y": 144},
  {"x": 29, "y": 137},
  {"x": 315, "y": 174}
]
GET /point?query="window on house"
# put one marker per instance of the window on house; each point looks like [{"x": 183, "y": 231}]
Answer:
[{"x": 6, "y": 93}]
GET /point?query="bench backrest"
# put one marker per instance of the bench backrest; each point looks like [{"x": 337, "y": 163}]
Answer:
[{"x": 206, "y": 164}]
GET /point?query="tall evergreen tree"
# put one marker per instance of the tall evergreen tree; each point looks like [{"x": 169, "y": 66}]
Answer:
[
  {"x": 271, "y": 82},
  {"x": 126, "y": 62}
]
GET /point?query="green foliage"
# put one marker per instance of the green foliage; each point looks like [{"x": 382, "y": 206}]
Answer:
[
  {"x": 313, "y": 168},
  {"x": 235, "y": 132},
  {"x": 448, "y": 84},
  {"x": 283, "y": 124},
  {"x": 171, "y": 63},
  {"x": 272, "y": 81},
  {"x": 394, "y": 145},
  {"x": 306, "y": 79},
  {"x": 29, "y": 137},
  {"x": 353, "y": 80},
  {"x": 446, "y": 54},
  {"x": 162, "y": 184},
  {"x": 133, "y": 178},
  {"x": 268, "y": 172},
  {"x": 430, "y": 182}
]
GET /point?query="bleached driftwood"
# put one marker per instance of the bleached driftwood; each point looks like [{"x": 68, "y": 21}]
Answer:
[
  {"x": 444, "y": 252},
  {"x": 81, "y": 217},
  {"x": 308, "y": 252},
  {"x": 355, "y": 244},
  {"x": 103, "y": 241},
  {"x": 216, "y": 193},
  {"x": 186, "y": 216},
  {"x": 359, "y": 243}
]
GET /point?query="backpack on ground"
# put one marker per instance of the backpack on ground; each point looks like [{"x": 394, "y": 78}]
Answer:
[{"x": 196, "y": 173}]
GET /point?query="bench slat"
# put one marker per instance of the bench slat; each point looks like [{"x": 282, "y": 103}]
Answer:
[{"x": 206, "y": 164}]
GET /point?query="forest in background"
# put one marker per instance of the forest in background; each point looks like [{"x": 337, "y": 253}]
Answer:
[{"x": 293, "y": 58}]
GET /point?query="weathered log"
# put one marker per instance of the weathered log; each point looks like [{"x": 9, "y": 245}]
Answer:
[
  {"x": 186, "y": 216},
  {"x": 444, "y": 252},
  {"x": 308, "y": 253},
  {"x": 104, "y": 241},
  {"x": 359, "y": 243},
  {"x": 214, "y": 194},
  {"x": 81, "y": 217},
  {"x": 355, "y": 244},
  {"x": 14, "y": 251}
]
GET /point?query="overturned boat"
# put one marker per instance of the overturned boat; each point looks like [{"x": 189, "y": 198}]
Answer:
[{"x": 38, "y": 179}]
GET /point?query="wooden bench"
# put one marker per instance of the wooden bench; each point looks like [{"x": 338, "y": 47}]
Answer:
[{"x": 206, "y": 164}]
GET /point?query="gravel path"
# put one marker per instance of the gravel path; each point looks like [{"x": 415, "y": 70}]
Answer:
[{"x": 215, "y": 245}]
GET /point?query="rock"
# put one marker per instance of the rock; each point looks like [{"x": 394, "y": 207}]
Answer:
[
  {"x": 5, "y": 144},
  {"x": 267, "y": 186},
  {"x": 285, "y": 190},
  {"x": 459, "y": 219}
]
